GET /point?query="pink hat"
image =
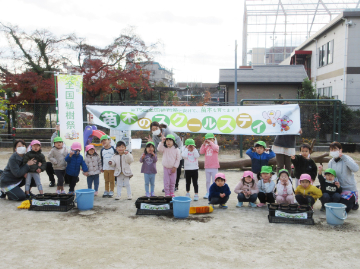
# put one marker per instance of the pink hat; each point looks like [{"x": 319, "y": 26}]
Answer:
[
  {"x": 88, "y": 147},
  {"x": 305, "y": 177},
  {"x": 76, "y": 146},
  {"x": 248, "y": 174},
  {"x": 35, "y": 142},
  {"x": 220, "y": 175}
]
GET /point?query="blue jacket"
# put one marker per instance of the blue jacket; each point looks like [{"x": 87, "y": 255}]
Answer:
[
  {"x": 73, "y": 165},
  {"x": 257, "y": 161},
  {"x": 215, "y": 191}
]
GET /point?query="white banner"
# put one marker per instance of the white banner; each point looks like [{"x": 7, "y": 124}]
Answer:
[
  {"x": 290, "y": 215},
  {"x": 154, "y": 207},
  {"x": 70, "y": 109},
  {"x": 246, "y": 120},
  {"x": 46, "y": 202}
]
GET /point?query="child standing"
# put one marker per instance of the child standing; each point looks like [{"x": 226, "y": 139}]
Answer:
[
  {"x": 121, "y": 161},
  {"x": 191, "y": 166},
  {"x": 148, "y": 160},
  {"x": 170, "y": 161},
  {"x": 259, "y": 155},
  {"x": 266, "y": 186},
  {"x": 305, "y": 193},
  {"x": 57, "y": 158},
  {"x": 247, "y": 190},
  {"x": 74, "y": 161},
  {"x": 303, "y": 164},
  {"x": 35, "y": 169},
  {"x": 211, "y": 151},
  {"x": 284, "y": 188},
  {"x": 106, "y": 153},
  {"x": 219, "y": 192},
  {"x": 330, "y": 187},
  {"x": 93, "y": 162}
]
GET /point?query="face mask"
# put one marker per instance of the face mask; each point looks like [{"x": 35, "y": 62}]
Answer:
[
  {"x": 335, "y": 154},
  {"x": 21, "y": 150},
  {"x": 157, "y": 132}
]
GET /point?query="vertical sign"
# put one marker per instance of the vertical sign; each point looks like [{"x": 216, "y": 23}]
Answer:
[{"x": 70, "y": 109}]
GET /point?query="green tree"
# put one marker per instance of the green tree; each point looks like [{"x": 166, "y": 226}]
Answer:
[{"x": 307, "y": 90}]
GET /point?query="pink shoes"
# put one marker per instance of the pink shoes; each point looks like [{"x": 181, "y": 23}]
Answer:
[
  {"x": 261, "y": 205},
  {"x": 172, "y": 195}
]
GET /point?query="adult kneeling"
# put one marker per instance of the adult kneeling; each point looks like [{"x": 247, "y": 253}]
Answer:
[
  {"x": 15, "y": 172},
  {"x": 345, "y": 167}
]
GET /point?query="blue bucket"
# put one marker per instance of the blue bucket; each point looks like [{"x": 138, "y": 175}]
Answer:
[
  {"x": 181, "y": 206},
  {"x": 85, "y": 199},
  {"x": 335, "y": 213}
]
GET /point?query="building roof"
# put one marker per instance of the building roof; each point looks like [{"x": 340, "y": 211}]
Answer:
[{"x": 281, "y": 74}]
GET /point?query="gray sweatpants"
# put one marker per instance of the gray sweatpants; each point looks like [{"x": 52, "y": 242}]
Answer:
[{"x": 36, "y": 177}]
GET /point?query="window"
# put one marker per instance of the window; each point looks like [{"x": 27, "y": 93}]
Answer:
[
  {"x": 326, "y": 52},
  {"x": 326, "y": 92},
  {"x": 330, "y": 46}
]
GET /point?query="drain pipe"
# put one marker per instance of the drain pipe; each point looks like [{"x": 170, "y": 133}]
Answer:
[
  {"x": 316, "y": 63},
  {"x": 347, "y": 23}
]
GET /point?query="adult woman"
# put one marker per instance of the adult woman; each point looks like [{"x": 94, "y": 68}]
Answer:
[
  {"x": 345, "y": 167},
  {"x": 157, "y": 130},
  {"x": 15, "y": 172}
]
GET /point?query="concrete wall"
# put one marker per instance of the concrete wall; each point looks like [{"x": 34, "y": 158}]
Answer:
[{"x": 257, "y": 91}]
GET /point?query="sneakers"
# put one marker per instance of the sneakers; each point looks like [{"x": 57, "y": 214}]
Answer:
[
  {"x": 261, "y": 205},
  {"x": 153, "y": 194},
  {"x": 355, "y": 207},
  {"x": 322, "y": 209},
  {"x": 163, "y": 190},
  {"x": 223, "y": 206},
  {"x": 176, "y": 189},
  {"x": 111, "y": 194},
  {"x": 118, "y": 197},
  {"x": 188, "y": 194},
  {"x": 252, "y": 205},
  {"x": 147, "y": 194},
  {"x": 71, "y": 192},
  {"x": 58, "y": 191},
  {"x": 106, "y": 194},
  {"x": 239, "y": 204},
  {"x": 196, "y": 197},
  {"x": 96, "y": 193},
  {"x": 129, "y": 197},
  {"x": 206, "y": 196},
  {"x": 172, "y": 195},
  {"x": 52, "y": 184},
  {"x": 2, "y": 195},
  {"x": 63, "y": 192}
]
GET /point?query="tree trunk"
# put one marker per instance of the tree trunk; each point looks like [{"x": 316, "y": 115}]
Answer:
[{"x": 40, "y": 112}]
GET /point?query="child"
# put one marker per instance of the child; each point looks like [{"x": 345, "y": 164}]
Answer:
[
  {"x": 330, "y": 187},
  {"x": 266, "y": 186},
  {"x": 93, "y": 162},
  {"x": 170, "y": 161},
  {"x": 57, "y": 158},
  {"x": 74, "y": 161},
  {"x": 35, "y": 169},
  {"x": 260, "y": 156},
  {"x": 211, "y": 151},
  {"x": 284, "y": 188},
  {"x": 106, "y": 153},
  {"x": 303, "y": 164},
  {"x": 148, "y": 160},
  {"x": 121, "y": 161},
  {"x": 219, "y": 192},
  {"x": 305, "y": 193},
  {"x": 191, "y": 166},
  {"x": 247, "y": 190}
]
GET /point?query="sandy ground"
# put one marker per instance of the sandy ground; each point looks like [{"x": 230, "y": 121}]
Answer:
[{"x": 112, "y": 236}]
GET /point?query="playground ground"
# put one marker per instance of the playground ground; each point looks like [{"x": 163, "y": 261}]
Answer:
[{"x": 112, "y": 236}]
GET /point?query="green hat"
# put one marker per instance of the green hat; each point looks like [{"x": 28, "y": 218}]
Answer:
[
  {"x": 209, "y": 135},
  {"x": 170, "y": 136},
  {"x": 266, "y": 169},
  {"x": 260, "y": 143},
  {"x": 150, "y": 143},
  {"x": 330, "y": 171},
  {"x": 189, "y": 142},
  {"x": 283, "y": 171},
  {"x": 104, "y": 137},
  {"x": 58, "y": 139}
]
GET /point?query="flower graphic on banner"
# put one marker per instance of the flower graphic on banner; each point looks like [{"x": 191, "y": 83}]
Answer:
[{"x": 110, "y": 118}]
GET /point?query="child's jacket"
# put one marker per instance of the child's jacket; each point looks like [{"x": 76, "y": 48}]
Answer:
[
  {"x": 57, "y": 158},
  {"x": 304, "y": 166},
  {"x": 211, "y": 152},
  {"x": 93, "y": 163},
  {"x": 257, "y": 160},
  {"x": 329, "y": 188},
  {"x": 39, "y": 157},
  {"x": 122, "y": 164},
  {"x": 311, "y": 190},
  {"x": 74, "y": 163},
  {"x": 149, "y": 164},
  {"x": 266, "y": 187},
  {"x": 190, "y": 159},
  {"x": 282, "y": 190},
  {"x": 240, "y": 187},
  {"x": 171, "y": 156},
  {"x": 215, "y": 191}
]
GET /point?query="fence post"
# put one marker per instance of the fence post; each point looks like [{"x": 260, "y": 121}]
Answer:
[
  {"x": 9, "y": 119},
  {"x": 334, "y": 122},
  {"x": 241, "y": 138},
  {"x": 339, "y": 121}
]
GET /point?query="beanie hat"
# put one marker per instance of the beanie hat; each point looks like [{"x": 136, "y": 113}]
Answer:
[
  {"x": 248, "y": 174},
  {"x": 260, "y": 143},
  {"x": 76, "y": 146},
  {"x": 58, "y": 139},
  {"x": 104, "y": 137},
  {"x": 189, "y": 142},
  {"x": 220, "y": 175},
  {"x": 209, "y": 135},
  {"x": 330, "y": 171},
  {"x": 266, "y": 169}
]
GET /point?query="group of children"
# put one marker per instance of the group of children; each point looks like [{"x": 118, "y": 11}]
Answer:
[{"x": 256, "y": 184}]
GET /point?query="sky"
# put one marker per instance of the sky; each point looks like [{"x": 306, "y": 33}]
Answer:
[{"x": 197, "y": 37}]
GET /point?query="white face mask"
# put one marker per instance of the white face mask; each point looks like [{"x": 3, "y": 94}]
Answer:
[
  {"x": 21, "y": 150},
  {"x": 335, "y": 154},
  {"x": 157, "y": 132}
]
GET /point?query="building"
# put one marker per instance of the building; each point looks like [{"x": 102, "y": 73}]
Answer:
[
  {"x": 263, "y": 82},
  {"x": 159, "y": 74},
  {"x": 332, "y": 58},
  {"x": 273, "y": 55},
  {"x": 217, "y": 93}
]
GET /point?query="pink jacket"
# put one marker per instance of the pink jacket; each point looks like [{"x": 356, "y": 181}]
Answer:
[
  {"x": 211, "y": 152},
  {"x": 171, "y": 156},
  {"x": 281, "y": 190},
  {"x": 240, "y": 187}
]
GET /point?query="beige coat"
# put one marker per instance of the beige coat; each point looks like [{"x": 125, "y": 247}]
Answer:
[
  {"x": 57, "y": 158},
  {"x": 93, "y": 163},
  {"x": 122, "y": 164}
]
